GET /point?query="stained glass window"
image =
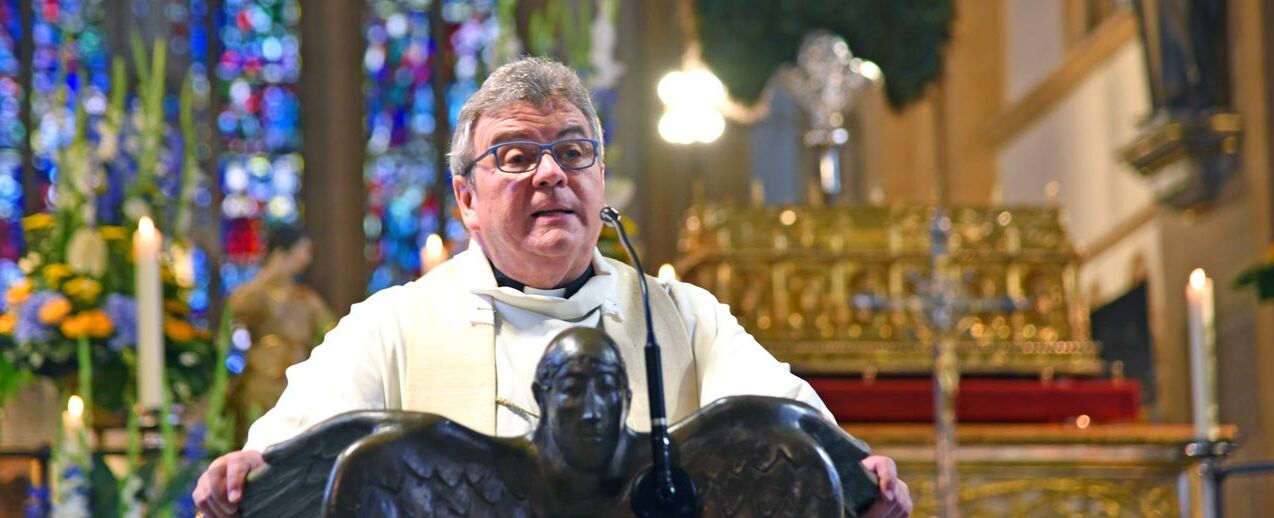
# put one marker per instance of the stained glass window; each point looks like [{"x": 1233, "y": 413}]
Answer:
[
  {"x": 259, "y": 122},
  {"x": 69, "y": 49},
  {"x": 11, "y": 135},
  {"x": 402, "y": 159}
]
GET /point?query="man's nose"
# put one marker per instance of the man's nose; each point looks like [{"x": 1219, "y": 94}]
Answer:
[{"x": 548, "y": 173}]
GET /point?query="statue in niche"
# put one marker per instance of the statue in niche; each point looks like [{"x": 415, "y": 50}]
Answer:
[
  {"x": 749, "y": 455},
  {"x": 284, "y": 319}
]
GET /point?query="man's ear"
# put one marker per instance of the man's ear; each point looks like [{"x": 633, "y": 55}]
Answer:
[{"x": 466, "y": 196}]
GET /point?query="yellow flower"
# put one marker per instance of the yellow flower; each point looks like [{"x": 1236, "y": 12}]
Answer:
[
  {"x": 99, "y": 323},
  {"x": 7, "y": 322},
  {"x": 17, "y": 293},
  {"x": 75, "y": 326},
  {"x": 55, "y": 272},
  {"x": 38, "y": 221},
  {"x": 178, "y": 330},
  {"x": 82, "y": 289},
  {"x": 54, "y": 310},
  {"x": 112, "y": 232}
]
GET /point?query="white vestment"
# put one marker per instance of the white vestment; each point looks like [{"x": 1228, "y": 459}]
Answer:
[{"x": 454, "y": 343}]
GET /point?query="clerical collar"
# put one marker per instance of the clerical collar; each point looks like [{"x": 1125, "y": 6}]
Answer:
[{"x": 564, "y": 291}]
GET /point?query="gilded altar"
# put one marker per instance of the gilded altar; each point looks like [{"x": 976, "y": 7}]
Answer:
[
  {"x": 837, "y": 290},
  {"x": 1045, "y": 470}
]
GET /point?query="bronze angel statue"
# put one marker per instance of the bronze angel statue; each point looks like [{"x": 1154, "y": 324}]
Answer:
[{"x": 746, "y": 456}]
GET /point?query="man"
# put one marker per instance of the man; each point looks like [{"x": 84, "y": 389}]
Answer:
[{"x": 464, "y": 340}]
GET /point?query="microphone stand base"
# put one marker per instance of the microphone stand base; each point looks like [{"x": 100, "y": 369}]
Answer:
[{"x": 649, "y": 503}]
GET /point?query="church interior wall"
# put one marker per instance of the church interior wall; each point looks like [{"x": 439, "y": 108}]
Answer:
[{"x": 1123, "y": 237}]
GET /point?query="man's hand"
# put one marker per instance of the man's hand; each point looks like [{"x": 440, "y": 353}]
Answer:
[
  {"x": 895, "y": 498},
  {"x": 221, "y": 487}
]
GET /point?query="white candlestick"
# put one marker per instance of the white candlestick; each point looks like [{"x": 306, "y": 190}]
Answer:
[
  {"x": 150, "y": 315},
  {"x": 1202, "y": 326},
  {"x": 432, "y": 254}
]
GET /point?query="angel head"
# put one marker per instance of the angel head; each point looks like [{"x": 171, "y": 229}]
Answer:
[{"x": 581, "y": 386}]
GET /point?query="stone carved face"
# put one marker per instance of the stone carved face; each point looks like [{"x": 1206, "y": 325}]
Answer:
[{"x": 582, "y": 389}]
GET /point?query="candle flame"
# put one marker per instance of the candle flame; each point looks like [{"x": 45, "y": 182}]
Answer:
[
  {"x": 667, "y": 273},
  {"x": 1198, "y": 279},
  {"x": 434, "y": 246},
  {"x": 145, "y": 226},
  {"x": 75, "y": 406}
]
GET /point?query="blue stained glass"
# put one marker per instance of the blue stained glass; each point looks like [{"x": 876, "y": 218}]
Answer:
[
  {"x": 70, "y": 48},
  {"x": 401, "y": 159},
  {"x": 260, "y": 124},
  {"x": 11, "y": 134}
]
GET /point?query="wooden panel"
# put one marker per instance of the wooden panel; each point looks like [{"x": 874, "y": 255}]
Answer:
[{"x": 1080, "y": 61}]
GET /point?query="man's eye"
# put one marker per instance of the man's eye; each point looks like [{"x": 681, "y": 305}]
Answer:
[{"x": 515, "y": 156}]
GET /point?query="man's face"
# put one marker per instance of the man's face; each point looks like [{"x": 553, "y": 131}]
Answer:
[
  {"x": 546, "y": 218},
  {"x": 584, "y": 406}
]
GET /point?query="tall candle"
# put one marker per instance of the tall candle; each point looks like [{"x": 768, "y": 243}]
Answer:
[
  {"x": 73, "y": 425},
  {"x": 150, "y": 337},
  {"x": 1201, "y": 317},
  {"x": 432, "y": 254}
]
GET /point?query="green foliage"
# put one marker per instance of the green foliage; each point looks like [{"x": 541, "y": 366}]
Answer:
[
  {"x": 745, "y": 42},
  {"x": 1259, "y": 278}
]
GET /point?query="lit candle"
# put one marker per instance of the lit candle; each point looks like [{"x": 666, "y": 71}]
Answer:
[
  {"x": 432, "y": 254},
  {"x": 1202, "y": 328},
  {"x": 150, "y": 337},
  {"x": 73, "y": 425},
  {"x": 667, "y": 273}
]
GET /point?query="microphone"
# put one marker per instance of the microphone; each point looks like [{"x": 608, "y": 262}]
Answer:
[{"x": 664, "y": 490}]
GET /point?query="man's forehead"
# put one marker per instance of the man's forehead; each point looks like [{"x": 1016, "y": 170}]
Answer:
[{"x": 523, "y": 119}]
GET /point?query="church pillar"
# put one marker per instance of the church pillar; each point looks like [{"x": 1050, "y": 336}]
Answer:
[{"x": 332, "y": 124}]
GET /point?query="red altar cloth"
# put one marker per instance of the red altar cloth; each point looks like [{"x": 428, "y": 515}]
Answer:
[{"x": 910, "y": 400}]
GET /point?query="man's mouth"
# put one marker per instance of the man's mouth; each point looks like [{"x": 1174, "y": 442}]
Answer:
[{"x": 551, "y": 212}]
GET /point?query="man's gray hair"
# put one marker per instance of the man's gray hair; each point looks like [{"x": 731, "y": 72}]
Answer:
[{"x": 531, "y": 79}]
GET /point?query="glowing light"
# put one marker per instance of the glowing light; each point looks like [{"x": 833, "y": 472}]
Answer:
[
  {"x": 1083, "y": 421},
  {"x": 693, "y": 99},
  {"x": 75, "y": 406},
  {"x": 1198, "y": 279},
  {"x": 870, "y": 70},
  {"x": 667, "y": 273}
]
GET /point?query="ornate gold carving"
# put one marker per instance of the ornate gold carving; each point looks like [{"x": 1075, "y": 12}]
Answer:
[{"x": 836, "y": 289}]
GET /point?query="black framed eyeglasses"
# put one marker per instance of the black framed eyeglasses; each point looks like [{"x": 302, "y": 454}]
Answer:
[{"x": 518, "y": 157}]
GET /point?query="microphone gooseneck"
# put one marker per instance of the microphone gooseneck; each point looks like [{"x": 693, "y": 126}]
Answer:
[{"x": 664, "y": 490}]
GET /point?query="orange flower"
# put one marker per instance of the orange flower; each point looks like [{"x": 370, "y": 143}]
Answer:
[
  {"x": 99, "y": 323},
  {"x": 17, "y": 293},
  {"x": 54, "y": 310},
  {"x": 7, "y": 322},
  {"x": 178, "y": 330},
  {"x": 75, "y": 326}
]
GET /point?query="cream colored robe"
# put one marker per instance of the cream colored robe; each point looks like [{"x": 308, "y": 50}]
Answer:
[{"x": 430, "y": 346}]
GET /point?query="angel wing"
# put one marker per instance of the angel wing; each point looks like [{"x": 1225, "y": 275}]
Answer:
[
  {"x": 763, "y": 456},
  {"x": 296, "y": 472},
  {"x": 433, "y": 468}
]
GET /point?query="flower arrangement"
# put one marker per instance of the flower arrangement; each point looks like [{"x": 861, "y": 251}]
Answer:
[{"x": 84, "y": 290}]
